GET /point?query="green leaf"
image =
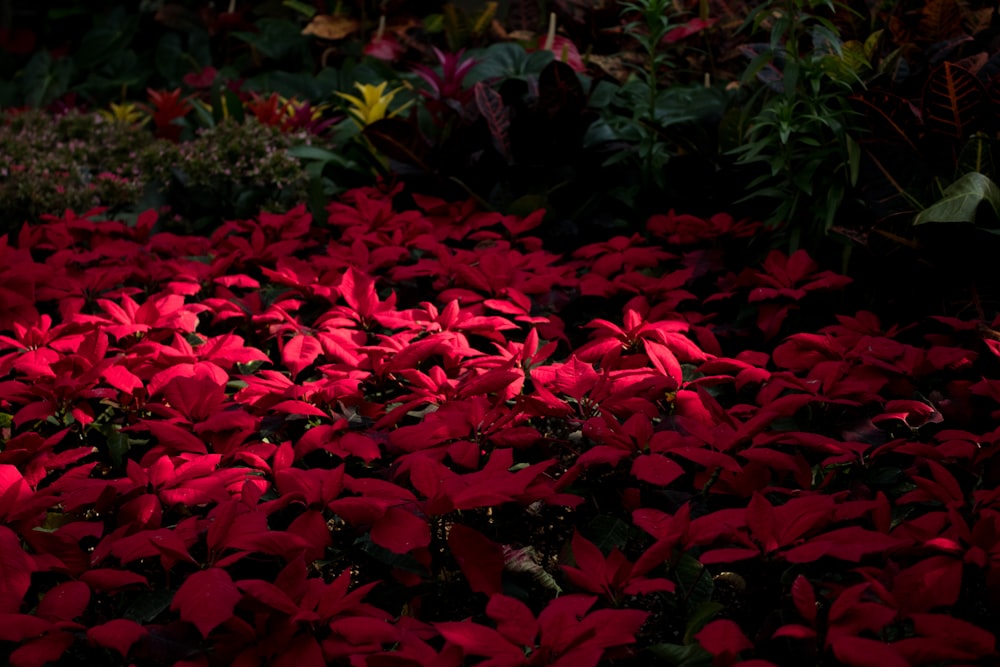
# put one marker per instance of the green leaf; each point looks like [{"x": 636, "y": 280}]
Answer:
[
  {"x": 148, "y": 607},
  {"x": 118, "y": 446},
  {"x": 960, "y": 201},
  {"x": 302, "y": 8},
  {"x": 608, "y": 532},
  {"x": 403, "y": 562},
  {"x": 45, "y": 79},
  {"x": 699, "y": 616},
  {"x": 694, "y": 582},
  {"x": 977, "y": 155},
  {"x": 275, "y": 39},
  {"x": 304, "y": 152},
  {"x": 301, "y": 85},
  {"x": 692, "y": 655},
  {"x": 106, "y": 40}
]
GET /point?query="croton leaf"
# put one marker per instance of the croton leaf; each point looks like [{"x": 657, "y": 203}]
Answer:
[
  {"x": 954, "y": 101},
  {"x": 497, "y": 116}
]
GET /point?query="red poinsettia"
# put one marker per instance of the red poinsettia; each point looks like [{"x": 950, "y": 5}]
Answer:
[{"x": 564, "y": 633}]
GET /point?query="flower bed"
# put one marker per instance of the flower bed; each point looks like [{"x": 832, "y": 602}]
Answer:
[{"x": 415, "y": 437}]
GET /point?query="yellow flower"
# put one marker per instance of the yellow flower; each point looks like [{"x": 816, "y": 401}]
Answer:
[
  {"x": 127, "y": 113},
  {"x": 373, "y": 104}
]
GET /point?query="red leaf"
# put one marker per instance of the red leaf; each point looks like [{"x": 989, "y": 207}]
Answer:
[
  {"x": 723, "y": 637},
  {"x": 589, "y": 560},
  {"x": 692, "y": 27},
  {"x": 727, "y": 555},
  {"x": 120, "y": 634},
  {"x": 478, "y": 640},
  {"x": 851, "y": 543},
  {"x": 65, "y": 601},
  {"x": 664, "y": 360},
  {"x": 934, "y": 582},
  {"x": 861, "y": 652},
  {"x": 804, "y": 598},
  {"x": 19, "y": 627},
  {"x": 655, "y": 469},
  {"x": 305, "y": 651},
  {"x": 975, "y": 641},
  {"x": 15, "y": 571},
  {"x": 300, "y": 352},
  {"x": 121, "y": 379},
  {"x": 358, "y": 290},
  {"x": 269, "y": 595},
  {"x": 513, "y": 618},
  {"x": 41, "y": 651},
  {"x": 401, "y": 531},
  {"x": 206, "y": 599},
  {"x": 760, "y": 521},
  {"x": 795, "y": 632},
  {"x": 481, "y": 559}
]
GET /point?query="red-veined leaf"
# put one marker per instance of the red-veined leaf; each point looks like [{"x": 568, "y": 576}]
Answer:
[{"x": 496, "y": 114}]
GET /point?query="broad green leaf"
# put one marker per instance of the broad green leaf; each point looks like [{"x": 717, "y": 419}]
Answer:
[
  {"x": 608, "y": 532},
  {"x": 694, "y": 582},
  {"x": 403, "y": 562},
  {"x": 960, "y": 200},
  {"x": 305, "y": 152},
  {"x": 149, "y": 606},
  {"x": 301, "y": 7},
  {"x": 118, "y": 446},
  {"x": 275, "y": 39},
  {"x": 45, "y": 79},
  {"x": 106, "y": 39},
  {"x": 977, "y": 156},
  {"x": 692, "y": 655},
  {"x": 698, "y": 617}
]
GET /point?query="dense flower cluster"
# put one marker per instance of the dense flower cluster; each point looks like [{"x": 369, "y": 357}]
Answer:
[
  {"x": 73, "y": 161},
  {"x": 388, "y": 442},
  {"x": 78, "y": 161}
]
